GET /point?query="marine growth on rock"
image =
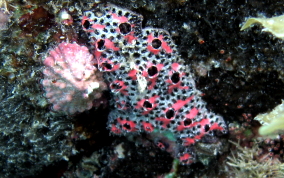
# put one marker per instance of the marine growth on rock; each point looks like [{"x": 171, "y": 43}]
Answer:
[
  {"x": 71, "y": 81},
  {"x": 152, "y": 88}
]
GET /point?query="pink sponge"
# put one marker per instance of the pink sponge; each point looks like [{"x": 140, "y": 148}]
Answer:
[{"x": 71, "y": 81}]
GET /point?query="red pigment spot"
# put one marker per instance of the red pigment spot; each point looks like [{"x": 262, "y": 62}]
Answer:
[
  {"x": 176, "y": 106},
  {"x": 182, "y": 126},
  {"x": 130, "y": 37},
  {"x": 121, "y": 19},
  {"x": 150, "y": 38},
  {"x": 175, "y": 68},
  {"x": 148, "y": 127},
  {"x": 117, "y": 30},
  {"x": 150, "y": 47},
  {"x": 161, "y": 145},
  {"x": 153, "y": 50},
  {"x": 164, "y": 45},
  {"x": 177, "y": 85},
  {"x": 153, "y": 78},
  {"x": 188, "y": 141},
  {"x": 99, "y": 44},
  {"x": 198, "y": 137},
  {"x": 215, "y": 126},
  {"x": 118, "y": 86},
  {"x": 202, "y": 133},
  {"x": 203, "y": 122},
  {"x": 151, "y": 101},
  {"x": 106, "y": 65},
  {"x": 127, "y": 125},
  {"x": 110, "y": 45},
  {"x": 144, "y": 73},
  {"x": 201, "y": 41},
  {"x": 97, "y": 54},
  {"x": 180, "y": 103},
  {"x": 160, "y": 66},
  {"x": 98, "y": 26},
  {"x": 121, "y": 105},
  {"x": 84, "y": 19},
  {"x": 165, "y": 121},
  {"x": 185, "y": 157},
  {"x": 132, "y": 74},
  {"x": 149, "y": 65},
  {"x": 153, "y": 83},
  {"x": 193, "y": 112},
  {"x": 115, "y": 130}
]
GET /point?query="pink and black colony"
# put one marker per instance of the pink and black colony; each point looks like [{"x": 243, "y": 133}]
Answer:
[{"x": 151, "y": 86}]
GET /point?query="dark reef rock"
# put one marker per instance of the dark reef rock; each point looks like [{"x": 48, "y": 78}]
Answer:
[
  {"x": 240, "y": 72},
  {"x": 39, "y": 20}
]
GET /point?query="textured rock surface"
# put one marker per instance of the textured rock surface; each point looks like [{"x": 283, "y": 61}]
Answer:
[{"x": 31, "y": 137}]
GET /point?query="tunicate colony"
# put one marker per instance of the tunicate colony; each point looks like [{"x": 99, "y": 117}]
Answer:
[{"x": 152, "y": 88}]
